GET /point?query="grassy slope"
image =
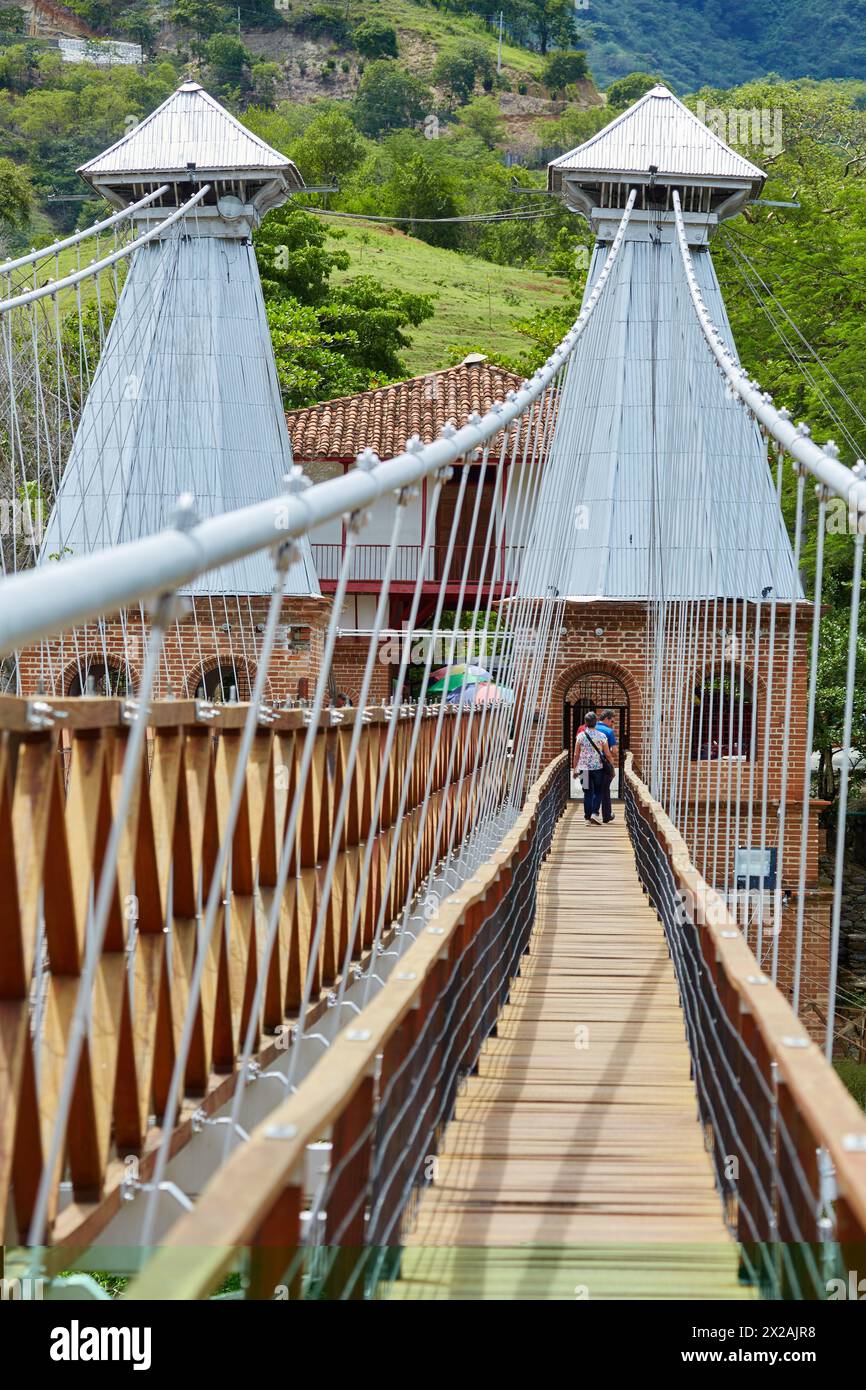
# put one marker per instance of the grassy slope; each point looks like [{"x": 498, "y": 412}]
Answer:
[
  {"x": 475, "y": 300},
  {"x": 422, "y": 31}
]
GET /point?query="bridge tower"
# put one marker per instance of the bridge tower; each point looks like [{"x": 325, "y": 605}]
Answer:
[
  {"x": 675, "y": 507},
  {"x": 185, "y": 403}
]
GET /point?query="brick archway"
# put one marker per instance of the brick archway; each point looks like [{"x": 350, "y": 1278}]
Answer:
[
  {"x": 197, "y": 676},
  {"x": 589, "y": 666},
  {"x": 93, "y": 663}
]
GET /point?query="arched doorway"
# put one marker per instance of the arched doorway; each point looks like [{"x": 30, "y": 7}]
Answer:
[
  {"x": 223, "y": 684},
  {"x": 93, "y": 675},
  {"x": 597, "y": 690}
]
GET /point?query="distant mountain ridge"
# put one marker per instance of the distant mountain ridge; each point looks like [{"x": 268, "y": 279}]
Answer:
[{"x": 721, "y": 43}]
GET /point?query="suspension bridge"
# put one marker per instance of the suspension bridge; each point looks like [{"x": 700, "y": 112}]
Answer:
[{"x": 308, "y": 998}]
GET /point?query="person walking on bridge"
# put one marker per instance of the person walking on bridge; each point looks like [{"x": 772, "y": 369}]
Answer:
[
  {"x": 591, "y": 759},
  {"x": 604, "y": 724}
]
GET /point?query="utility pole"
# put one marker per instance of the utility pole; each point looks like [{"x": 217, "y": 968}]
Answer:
[{"x": 499, "y": 55}]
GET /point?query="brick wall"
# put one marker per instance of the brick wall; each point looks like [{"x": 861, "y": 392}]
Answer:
[
  {"x": 350, "y": 657},
  {"x": 222, "y": 633}
]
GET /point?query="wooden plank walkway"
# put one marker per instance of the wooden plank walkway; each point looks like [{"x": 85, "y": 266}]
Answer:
[{"x": 575, "y": 1164}]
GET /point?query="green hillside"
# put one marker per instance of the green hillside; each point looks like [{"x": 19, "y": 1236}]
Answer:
[
  {"x": 724, "y": 42},
  {"x": 475, "y": 300}
]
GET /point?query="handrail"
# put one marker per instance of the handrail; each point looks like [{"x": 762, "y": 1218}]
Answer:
[
  {"x": 77, "y": 237},
  {"x": 60, "y": 750},
  {"x": 235, "y": 1206},
  {"x": 831, "y": 1115},
  {"x": 53, "y": 287}
]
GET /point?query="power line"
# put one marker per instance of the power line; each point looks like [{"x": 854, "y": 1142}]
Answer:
[{"x": 518, "y": 215}]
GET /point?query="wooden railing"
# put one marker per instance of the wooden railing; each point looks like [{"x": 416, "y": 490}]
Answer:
[
  {"x": 381, "y": 1095},
  {"x": 60, "y": 765},
  {"x": 788, "y": 1141}
]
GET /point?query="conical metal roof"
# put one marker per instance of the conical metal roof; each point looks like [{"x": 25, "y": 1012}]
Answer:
[
  {"x": 666, "y": 476},
  {"x": 190, "y": 127},
  {"x": 658, "y": 130}
]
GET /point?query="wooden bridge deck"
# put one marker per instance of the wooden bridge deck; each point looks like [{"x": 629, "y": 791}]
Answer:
[{"x": 575, "y": 1164}]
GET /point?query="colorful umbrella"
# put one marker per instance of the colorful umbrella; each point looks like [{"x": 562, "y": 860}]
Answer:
[
  {"x": 482, "y": 692},
  {"x": 448, "y": 677}
]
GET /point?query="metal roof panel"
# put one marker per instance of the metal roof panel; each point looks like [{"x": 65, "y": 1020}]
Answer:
[
  {"x": 190, "y": 127},
  {"x": 658, "y": 130}
]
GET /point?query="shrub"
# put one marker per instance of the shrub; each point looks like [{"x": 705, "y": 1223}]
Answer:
[
  {"x": 389, "y": 98},
  {"x": 376, "y": 38},
  {"x": 563, "y": 68},
  {"x": 322, "y": 21}
]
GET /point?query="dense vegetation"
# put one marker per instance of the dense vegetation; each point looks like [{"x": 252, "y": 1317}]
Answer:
[{"x": 725, "y": 42}]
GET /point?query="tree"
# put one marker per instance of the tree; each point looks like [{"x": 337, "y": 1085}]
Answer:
[
  {"x": 12, "y": 20},
  {"x": 19, "y": 67},
  {"x": 375, "y": 38},
  {"x": 226, "y": 58},
  {"x": 375, "y": 317},
  {"x": 481, "y": 59},
  {"x": 551, "y": 23},
  {"x": 481, "y": 117},
  {"x": 265, "y": 77},
  {"x": 138, "y": 25},
  {"x": 456, "y": 74},
  {"x": 256, "y": 14},
  {"x": 294, "y": 257},
  {"x": 328, "y": 340},
  {"x": 203, "y": 17},
  {"x": 563, "y": 68},
  {"x": 389, "y": 98},
  {"x": 418, "y": 189},
  {"x": 16, "y": 195},
  {"x": 628, "y": 90},
  {"x": 330, "y": 148}
]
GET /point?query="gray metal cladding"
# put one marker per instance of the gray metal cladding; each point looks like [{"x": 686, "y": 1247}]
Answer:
[
  {"x": 666, "y": 476},
  {"x": 185, "y": 400}
]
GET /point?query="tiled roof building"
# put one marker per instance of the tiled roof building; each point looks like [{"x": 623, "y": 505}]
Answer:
[{"x": 384, "y": 419}]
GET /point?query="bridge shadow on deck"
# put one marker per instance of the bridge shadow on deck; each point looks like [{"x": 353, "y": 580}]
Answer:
[{"x": 574, "y": 1165}]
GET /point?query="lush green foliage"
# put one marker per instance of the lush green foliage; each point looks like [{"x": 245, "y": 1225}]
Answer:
[
  {"x": 389, "y": 98},
  {"x": 539, "y": 24},
  {"x": 375, "y": 38},
  {"x": 627, "y": 90},
  {"x": 16, "y": 195},
  {"x": 564, "y": 68},
  {"x": 55, "y": 116},
  {"x": 725, "y": 41},
  {"x": 329, "y": 340}
]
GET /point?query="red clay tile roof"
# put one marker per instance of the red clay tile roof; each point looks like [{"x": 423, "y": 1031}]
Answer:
[{"x": 384, "y": 419}]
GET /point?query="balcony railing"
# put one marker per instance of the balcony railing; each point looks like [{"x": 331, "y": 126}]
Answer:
[{"x": 501, "y": 565}]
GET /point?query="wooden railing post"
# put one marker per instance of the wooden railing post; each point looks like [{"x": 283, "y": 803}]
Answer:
[{"x": 347, "y": 1200}]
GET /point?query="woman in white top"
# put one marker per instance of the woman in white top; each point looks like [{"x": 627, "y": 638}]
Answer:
[{"x": 590, "y": 752}]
